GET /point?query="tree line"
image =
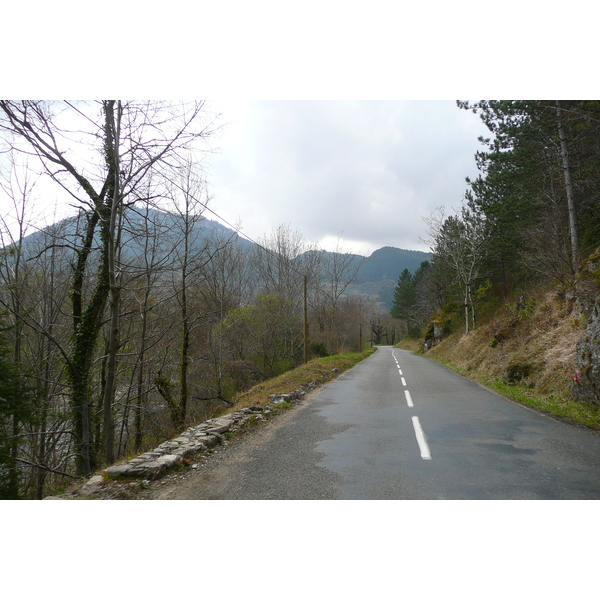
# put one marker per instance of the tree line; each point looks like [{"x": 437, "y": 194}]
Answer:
[
  {"x": 122, "y": 324},
  {"x": 530, "y": 217}
]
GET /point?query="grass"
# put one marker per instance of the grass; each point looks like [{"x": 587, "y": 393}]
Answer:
[
  {"x": 543, "y": 337},
  {"x": 320, "y": 370},
  {"x": 557, "y": 406}
]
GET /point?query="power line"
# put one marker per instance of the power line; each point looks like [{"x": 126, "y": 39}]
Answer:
[
  {"x": 238, "y": 231},
  {"x": 305, "y": 278}
]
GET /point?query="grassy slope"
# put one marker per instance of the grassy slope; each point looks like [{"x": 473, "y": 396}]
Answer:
[
  {"x": 543, "y": 336},
  {"x": 320, "y": 370}
]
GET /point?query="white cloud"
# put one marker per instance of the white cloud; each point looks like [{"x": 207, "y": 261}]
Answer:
[
  {"x": 371, "y": 170},
  {"x": 368, "y": 170}
]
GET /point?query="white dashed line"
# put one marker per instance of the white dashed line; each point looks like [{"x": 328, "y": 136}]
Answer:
[
  {"x": 425, "y": 453},
  {"x": 423, "y": 446}
]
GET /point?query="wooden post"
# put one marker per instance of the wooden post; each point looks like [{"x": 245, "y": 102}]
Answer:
[{"x": 305, "y": 323}]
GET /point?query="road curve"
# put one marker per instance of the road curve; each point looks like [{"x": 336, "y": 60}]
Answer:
[{"x": 399, "y": 426}]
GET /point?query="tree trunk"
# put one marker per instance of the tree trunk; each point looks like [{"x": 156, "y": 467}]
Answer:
[
  {"x": 184, "y": 364},
  {"x": 112, "y": 141},
  {"x": 140, "y": 381},
  {"x": 564, "y": 155},
  {"x": 185, "y": 329},
  {"x": 467, "y": 305}
]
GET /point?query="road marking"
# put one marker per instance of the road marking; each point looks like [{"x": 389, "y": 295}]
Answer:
[
  {"x": 403, "y": 381},
  {"x": 400, "y": 370},
  {"x": 408, "y": 398},
  {"x": 425, "y": 453}
]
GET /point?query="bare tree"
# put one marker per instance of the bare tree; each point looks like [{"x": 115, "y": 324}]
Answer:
[
  {"x": 32, "y": 292},
  {"x": 460, "y": 242},
  {"x": 134, "y": 140},
  {"x": 337, "y": 271}
]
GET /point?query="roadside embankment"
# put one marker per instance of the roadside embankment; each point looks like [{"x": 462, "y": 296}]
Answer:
[
  {"x": 527, "y": 354},
  {"x": 251, "y": 408}
]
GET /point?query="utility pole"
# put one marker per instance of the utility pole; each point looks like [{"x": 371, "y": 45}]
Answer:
[{"x": 305, "y": 322}]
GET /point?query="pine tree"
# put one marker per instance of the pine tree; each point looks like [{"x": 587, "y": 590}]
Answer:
[{"x": 404, "y": 297}]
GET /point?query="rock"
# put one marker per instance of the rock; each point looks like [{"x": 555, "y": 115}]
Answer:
[
  {"x": 92, "y": 486},
  {"x": 218, "y": 429},
  {"x": 588, "y": 360},
  {"x": 117, "y": 471},
  {"x": 156, "y": 463},
  {"x": 191, "y": 449},
  {"x": 155, "y": 468},
  {"x": 211, "y": 440}
]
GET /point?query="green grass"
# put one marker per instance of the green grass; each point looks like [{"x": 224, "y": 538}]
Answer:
[
  {"x": 580, "y": 413},
  {"x": 586, "y": 414},
  {"x": 320, "y": 370}
]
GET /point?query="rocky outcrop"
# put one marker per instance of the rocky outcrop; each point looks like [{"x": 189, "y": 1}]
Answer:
[{"x": 586, "y": 382}]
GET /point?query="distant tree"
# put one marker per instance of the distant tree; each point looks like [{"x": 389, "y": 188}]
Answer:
[
  {"x": 415, "y": 298},
  {"x": 404, "y": 297},
  {"x": 335, "y": 272},
  {"x": 268, "y": 333}
]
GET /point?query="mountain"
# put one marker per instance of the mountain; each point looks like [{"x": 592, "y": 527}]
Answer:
[
  {"x": 70, "y": 229},
  {"x": 387, "y": 263},
  {"x": 379, "y": 273},
  {"x": 376, "y": 277}
]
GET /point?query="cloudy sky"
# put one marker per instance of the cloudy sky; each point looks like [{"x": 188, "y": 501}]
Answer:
[
  {"x": 365, "y": 173},
  {"x": 368, "y": 171}
]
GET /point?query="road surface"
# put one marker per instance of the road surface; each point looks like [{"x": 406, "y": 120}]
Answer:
[{"x": 399, "y": 426}]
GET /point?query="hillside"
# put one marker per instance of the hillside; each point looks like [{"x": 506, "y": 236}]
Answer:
[
  {"x": 136, "y": 223},
  {"x": 376, "y": 278},
  {"x": 524, "y": 351},
  {"x": 387, "y": 263},
  {"x": 378, "y": 274}
]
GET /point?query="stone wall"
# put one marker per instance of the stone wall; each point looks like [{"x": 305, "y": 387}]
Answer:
[{"x": 177, "y": 452}]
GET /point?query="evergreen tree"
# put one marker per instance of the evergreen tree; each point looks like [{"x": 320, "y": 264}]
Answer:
[
  {"x": 404, "y": 297},
  {"x": 539, "y": 185}
]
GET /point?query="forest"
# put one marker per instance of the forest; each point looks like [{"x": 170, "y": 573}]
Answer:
[
  {"x": 137, "y": 316},
  {"x": 530, "y": 220}
]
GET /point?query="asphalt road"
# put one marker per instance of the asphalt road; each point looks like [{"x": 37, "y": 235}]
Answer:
[{"x": 399, "y": 426}]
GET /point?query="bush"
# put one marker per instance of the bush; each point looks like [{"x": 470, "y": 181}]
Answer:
[{"x": 318, "y": 350}]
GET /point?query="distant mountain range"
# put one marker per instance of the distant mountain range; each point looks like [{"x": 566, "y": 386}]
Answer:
[
  {"x": 376, "y": 278},
  {"x": 379, "y": 273}
]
